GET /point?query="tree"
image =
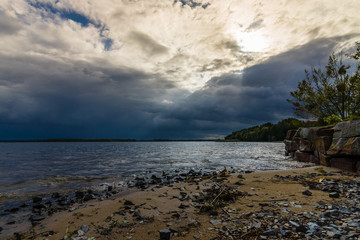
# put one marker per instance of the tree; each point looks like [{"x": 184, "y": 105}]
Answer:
[{"x": 332, "y": 91}]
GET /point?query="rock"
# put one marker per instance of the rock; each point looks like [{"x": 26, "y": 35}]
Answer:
[
  {"x": 215, "y": 222},
  {"x": 304, "y": 133},
  {"x": 294, "y": 223},
  {"x": 36, "y": 218},
  {"x": 334, "y": 195},
  {"x": 55, "y": 195},
  {"x": 80, "y": 233},
  {"x": 183, "y": 206},
  {"x": 79, "y": 194},
  {"x": 343, "y": 163},
  {"x": 324, "y": 159},
  {"x": 128, "y": 203},
  {"x": 84, "y": 228},
  {"x": 269, "y": 233},
  {"x": 290, "y": 134},
  {"x": 306, "y": 146},
  {"x": 301, "y": 228},
  {"x": 89, "y": 197},
  {"x": 345, "y": 147},
  {"x": 165, "y": 234},
  {"x": 197, "y": 237},
  {"x": 36, "y": 199},
  {"x": 307, "y": 193},
  {"x": 347, "y": 129},
  {"x": 38, "y": 206},
  {"x": 305, "y": 157}
]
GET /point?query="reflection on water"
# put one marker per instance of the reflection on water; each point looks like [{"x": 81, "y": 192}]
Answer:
[{"x": 28, "y": 168}]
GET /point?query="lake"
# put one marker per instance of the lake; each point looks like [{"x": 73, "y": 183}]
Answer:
[{"x": 46, "y": 167}]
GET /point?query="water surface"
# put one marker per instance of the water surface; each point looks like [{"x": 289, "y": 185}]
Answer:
[{"x": 33, "y": 168}]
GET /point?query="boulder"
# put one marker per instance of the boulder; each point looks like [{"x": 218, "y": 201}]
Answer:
[
  {"x": 345, "y": 147},
  {"x": 304, "y": 133},
  {"x": 323, "y": 159},
  {"x": 306, "y": 146},
  {"x": 306, "y": 157},
  {"x": 351, "y": 147},
  {"x": 347, "y": 129},
  {"x": 322, "y": 143},
  {"x": 358, "y": 167},
  {"x": 290, "y": 134},
  {"x": 336, "y": 146},
  {"x": 346, "y": 164},
  {"x": 291, "y": 146}
]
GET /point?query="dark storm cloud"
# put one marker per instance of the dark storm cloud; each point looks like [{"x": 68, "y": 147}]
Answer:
[
  {"x": 257, "y": 95},
  {"x": 43, "y": 98},
  {"x": 48, "y": 98},
  {"x": 149, "y": 45}
]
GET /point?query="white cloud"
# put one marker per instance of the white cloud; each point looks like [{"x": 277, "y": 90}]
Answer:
[{"x": 185, "y": 45}]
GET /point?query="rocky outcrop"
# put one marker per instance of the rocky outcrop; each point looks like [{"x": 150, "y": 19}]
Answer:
[{"x": 336, "y": 146}]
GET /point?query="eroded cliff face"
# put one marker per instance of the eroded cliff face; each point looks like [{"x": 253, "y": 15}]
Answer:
[{"x": 335, "y": 146}]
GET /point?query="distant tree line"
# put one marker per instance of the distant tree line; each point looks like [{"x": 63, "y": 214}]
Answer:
[{"x": 269, "y": 132}]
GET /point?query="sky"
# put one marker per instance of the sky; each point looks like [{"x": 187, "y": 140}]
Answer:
[{"x": 160, "y": 69}]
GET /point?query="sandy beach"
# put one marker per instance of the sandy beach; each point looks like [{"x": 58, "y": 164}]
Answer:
[{"x": 225, "y": 206}]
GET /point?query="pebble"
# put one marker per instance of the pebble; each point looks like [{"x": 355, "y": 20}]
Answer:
[
  {"x": 85, "y": 228},
  {"x": 334, "y": 195},
  {"x": 165, "y": 234},
  {"x": 307, "y": 193}
]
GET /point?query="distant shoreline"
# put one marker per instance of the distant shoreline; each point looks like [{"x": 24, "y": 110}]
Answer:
[{"x": 112, "y": 140}]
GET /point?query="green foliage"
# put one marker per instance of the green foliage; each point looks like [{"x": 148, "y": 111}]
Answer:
[
  {"x": 332, "y": 91},
  {"x": 332, "y": 119},
  {"x": 352, "y": 117},
  {"x": 269, "y": 132}
]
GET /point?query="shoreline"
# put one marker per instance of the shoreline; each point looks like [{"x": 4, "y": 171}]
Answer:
[{"x": 224, "y": 206}]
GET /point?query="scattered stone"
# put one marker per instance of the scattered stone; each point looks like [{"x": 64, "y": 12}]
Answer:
[
  {"x": 36, "y": 199},
  {"x": 128, "y": 203},
  {"x": 215, "y": 222},
  {"x": 36, "y": 218},
  {"x": 307, "y": 193},
  {"x": 165, "y": 234},
  {"x": 84, "y": 228},
  {"x": 269, "y": 233},
  {"x": 183, "y": 206},
  {"x": 334, "y": 195}
]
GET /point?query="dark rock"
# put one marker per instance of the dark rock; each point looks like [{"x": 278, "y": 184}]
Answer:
[
  {"x": 14, "y": 210},
  {"x": 38, "y": 206},
  {"x": 183, "y": 206},
  {"x": 301, "y": 228},
  {"x": 55, "y": 195},
  {"x": 10, "y": 223},
  {"x": 334, "y": 195},
  {"x": 79, "y": 194},
  {"x": 88, "y": 197},
  {"x": 269, "y": 233},
  {"x": 36, "y": 199},
  {"x": 307, "y": 193},
  {"x": 128, "y": 203},
  {"x": 165, "y": 234},
  {"x": 36, "y": 218}
]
